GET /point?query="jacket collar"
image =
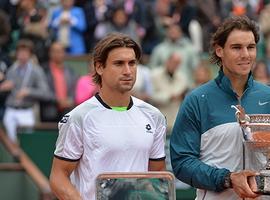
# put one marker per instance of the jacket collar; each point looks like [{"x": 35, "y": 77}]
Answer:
[{"x": 224, "y": 83}]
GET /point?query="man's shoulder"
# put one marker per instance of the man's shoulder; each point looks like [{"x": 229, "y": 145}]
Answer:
[
  {"x": 206, "y": 88},
  {"x": 82, "y": 110},
  {"x": 261, "y": 86},
  {"x": 146, "y": 107},
  {"x": 142, "y": 104}
]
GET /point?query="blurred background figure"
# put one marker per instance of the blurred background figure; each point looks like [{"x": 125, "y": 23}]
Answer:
[
  {"x": 260, "y": 72},
  {"x": 5, "y": 30},
  {"x": 31, "y": 23},
  {"x": 3, "y": 94},
  {"x": 267, "y": 54},
  {"x": 68, "y": 25},
  {"x": 163, "y": 17},
  {"x": 263, "y": 20},
  {"x": 184, "y": 14},
  {"x": 169, "y": 85},
  {"x": 96, "y": 13},
  {"x": 27, "y": 85},
  {"x": 119, "y": 22},
  {"x": 143, "y": 87},
  {"x": 209, "y": 17},
  {"x": 202, "y": 74},
  {"x": 175, "y": 41},
  {"x": 239, "y": 8},
  {"x": 62, "y": 81},
  {"x": 85, "y": 88}
]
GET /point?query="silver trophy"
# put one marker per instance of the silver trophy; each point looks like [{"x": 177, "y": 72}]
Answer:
[{"x": 256, "y": 133}]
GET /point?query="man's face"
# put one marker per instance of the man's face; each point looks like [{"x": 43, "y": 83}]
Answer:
[
  {"x": 57, "y": 53},
  {"x": 119, "y": 74},
  {"x": 120, "y": 18},
  {"x": 238, "y": 54},
  {"x": 174, "y": 33},
  {"x": 67, "y": 3},
  {"x": 23, "y": 55},
  {"x": 173, "y": 63}
]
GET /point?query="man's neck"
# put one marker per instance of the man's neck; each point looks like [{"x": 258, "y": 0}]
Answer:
[
  {"x": 238, "y": 85},
  {"x": 115, "y": 100}
]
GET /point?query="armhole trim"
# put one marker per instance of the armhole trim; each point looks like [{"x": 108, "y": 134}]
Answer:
[
  {"x": 66, "y": 159},
  {"x": 157, "y": 159}
]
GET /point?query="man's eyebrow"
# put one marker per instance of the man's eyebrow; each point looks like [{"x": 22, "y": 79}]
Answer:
[
  {"x": 239, "y": 44},
  {"x": 123, "y": 60}
]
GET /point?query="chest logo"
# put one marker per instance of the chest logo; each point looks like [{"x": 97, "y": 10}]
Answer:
[
  {"x": 148, "y": 128},
  {"x": 263, "y": 103}
]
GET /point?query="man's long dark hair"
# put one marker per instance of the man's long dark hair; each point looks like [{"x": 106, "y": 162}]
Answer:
[{"x": 220, "y": 37}]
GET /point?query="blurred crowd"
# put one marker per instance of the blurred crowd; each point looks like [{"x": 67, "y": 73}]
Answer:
[{"x": 37, "y": 35}]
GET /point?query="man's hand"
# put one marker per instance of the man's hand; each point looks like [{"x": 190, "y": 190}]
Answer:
[
  {"x": 7, "y": 85},
  {"x": 22, "y": 93},
  {"x": 241, "y": 185}
]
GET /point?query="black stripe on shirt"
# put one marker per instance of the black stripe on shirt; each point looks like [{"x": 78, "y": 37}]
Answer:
[
  {"x": 107, "y": 106},
  {"x": 66, "y": 159},
  {"x": 157, "y": 159}
]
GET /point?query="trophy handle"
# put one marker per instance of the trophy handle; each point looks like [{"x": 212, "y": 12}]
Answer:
[
  {"x": 267, "y": 166},
  {"x": 242, "y": 118}
]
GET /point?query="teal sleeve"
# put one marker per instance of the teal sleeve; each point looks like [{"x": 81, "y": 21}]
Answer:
[{"x": 185, "y": 150}]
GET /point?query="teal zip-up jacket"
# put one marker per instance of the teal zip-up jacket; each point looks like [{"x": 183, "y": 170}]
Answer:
[{"x": 206, "y": 141}]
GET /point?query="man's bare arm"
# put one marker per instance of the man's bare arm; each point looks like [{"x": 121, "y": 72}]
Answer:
[
  {"x": 157, "y": 165},
  {"x": 60, "y": 181}
]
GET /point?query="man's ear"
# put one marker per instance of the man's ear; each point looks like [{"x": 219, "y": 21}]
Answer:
[
  {"x": 219, "y": 51},
  {"x": 99, "y": 68}
]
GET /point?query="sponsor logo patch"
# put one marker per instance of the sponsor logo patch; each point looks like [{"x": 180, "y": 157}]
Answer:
[
  {"x": 64, "y": 119},
  {"x": 148, "y": 128},
  {"x": 263, "y": 103}
]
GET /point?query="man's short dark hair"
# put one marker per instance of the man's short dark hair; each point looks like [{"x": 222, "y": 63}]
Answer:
[
  {"x": 110, "y": 42},
  {"x": 25, "y": 44},
  {"x": 221, "y": 35}
]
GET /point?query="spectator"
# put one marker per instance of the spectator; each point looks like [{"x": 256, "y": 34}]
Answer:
[
  {"x": 267, "y": 54},
  {"x": 85, "y": 88},
  {"x": 153, "y": 35},
  {"x": 175, "y": 42},
  {"x": 3, "y": 94},
  {"x": 62, "y": 82},
  {"x": 169, "y": 85},
  {"x": 5, "y": 30},
  {"x": 202, "y": 74},
  {"x": 143, "y": 88},
  {"x": 68, "y": 25},
  {"x": 209, "y": 16},
  {"x": 163, "y": 17},
  {"x": 32, "y": 22},
  {"x": 265, "y": 27},
  {"x": 121, "y": 23},
  {"x": 238, "y": 8},
  {"x": 260, "y": 72},
  {"x": 27, "y": 85},
  {"x": 184, "y": 13},
  {"x": 96, "y": 13}
]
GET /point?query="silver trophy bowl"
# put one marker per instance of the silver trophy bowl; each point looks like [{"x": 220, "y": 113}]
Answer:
[{"x": 257, "y": 139}]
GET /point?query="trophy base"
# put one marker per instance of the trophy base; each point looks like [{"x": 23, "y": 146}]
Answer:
[{"x": 263, "y": 182}]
